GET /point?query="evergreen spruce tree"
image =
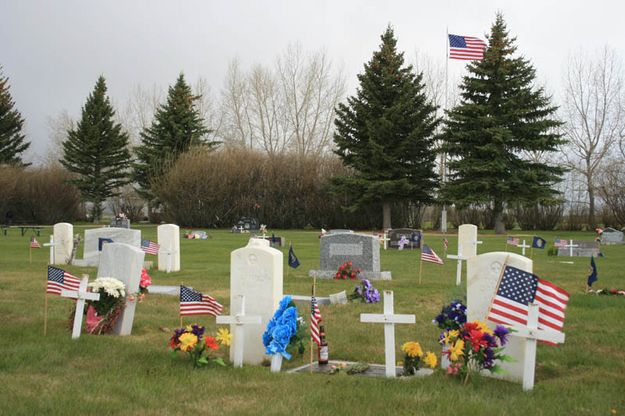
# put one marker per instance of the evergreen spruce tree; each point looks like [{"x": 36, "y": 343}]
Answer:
[
  {"x": 12, "y": 142},
  {"x": 97, "y": 151},
  {"x": 385, "y": 133},
  {"x": 176, "y": 127},
  {"x": 501, "y": 117}
]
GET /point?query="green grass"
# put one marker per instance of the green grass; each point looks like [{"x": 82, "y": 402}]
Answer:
[{"x": 136, "y": 375}]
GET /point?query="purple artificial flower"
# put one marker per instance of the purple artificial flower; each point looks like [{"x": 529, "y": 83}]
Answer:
[
  {"x": 502, "y": 332},
  {"x": 372, "y": 295},
  {"x": 366, "y": 284},
  {"x": 492, "y": 341},
  {"x": 197, "y": 330}
]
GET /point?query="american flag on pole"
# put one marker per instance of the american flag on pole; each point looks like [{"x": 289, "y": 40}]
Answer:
[
  {"x": 466, "y": 48},
  {"x": 513, "y": 241},
  {"x": 517, "y": 289},
  {"x": 34, "y": 243},
  {"x": 315, "y": 318},
  {"x": 427, "y": 254},
  {"x": 150, "y": 247},
  {"x": 59, "y": 280},
  {"x": 193, "y": 302},
  {"x": 559, "y": 242}
]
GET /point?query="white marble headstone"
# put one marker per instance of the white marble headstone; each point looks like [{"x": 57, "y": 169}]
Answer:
[
  {"x": 482, "y": 276},
  {"x": 123, "y": 262},
  {"x": 169, "y": 251},
  {"x": 256, "y": 273},
  {"x": 63, "y": 242},
  {"x": 118, "y": 235},
  {"x": 467, "y": 237}
]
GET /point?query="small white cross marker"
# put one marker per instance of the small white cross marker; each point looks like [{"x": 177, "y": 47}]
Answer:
[
  {"x": 385, "y": 240},
  {"x": 570, "y": 246},
  {"x": 459, "y": 265},
  {"x": 389, "y": 319},
  {"x": 531, "y": 333},
  {"x": 239, "y": 320},
  {"x": 80, "y": 295},
  {"x": 51, "y": 245},
  {"x": 523, "y": 247}
]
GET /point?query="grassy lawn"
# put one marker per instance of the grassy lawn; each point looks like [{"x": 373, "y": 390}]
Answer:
[{"x": 136, "y": 375}]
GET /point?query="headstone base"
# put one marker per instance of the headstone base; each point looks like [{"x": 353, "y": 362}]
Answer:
[
  {"x": 89, "y": 262},
  {"x": 374, "y": 370},
  {"x": 326, "y": 274}
]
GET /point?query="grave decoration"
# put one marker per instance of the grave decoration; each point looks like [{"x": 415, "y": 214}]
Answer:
[
  {"x": 102, "y": 315},
  {"x": 81, "y": 295},
  {"x": 196, "y": 235},
  {"x": 284, "y": 334},
  {"x": 365, "y": 292},
  {"x": 199, "y": 347},
  {"x": 474, "y": 347},
  {"x": 452, "y": 317},
  {"x": 349, "y": 368},
  {"x": 347, "y": 271},
  {"x": 607, "y": 292},
  {"x": 239, "y": 320},
  {"x": 414, "y": 358},
  {"x": 144, "y": 283}
]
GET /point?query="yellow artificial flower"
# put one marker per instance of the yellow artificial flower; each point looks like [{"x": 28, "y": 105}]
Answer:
[
  {"x": 450, "y": 336},
  {"x": 482, "y": 327},
  {"x": 456, "y": 350},
  {"x": 412, "y": 349},
  {"x": 187, "y": 341},
  {"x": 430, "y": 359},
  {"x": 224, "y": 337}
]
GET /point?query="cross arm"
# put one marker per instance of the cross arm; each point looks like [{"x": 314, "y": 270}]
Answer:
[{"x": 387, "y": 319}]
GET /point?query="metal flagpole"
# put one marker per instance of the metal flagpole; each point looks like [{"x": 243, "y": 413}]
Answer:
[{"x": 443, "y": 155}]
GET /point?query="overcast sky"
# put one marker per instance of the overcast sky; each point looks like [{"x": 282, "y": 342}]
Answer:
[{"x": 53, "y": 51}]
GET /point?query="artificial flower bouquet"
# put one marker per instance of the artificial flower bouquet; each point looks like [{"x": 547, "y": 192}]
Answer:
[
  {"x": 199, "y": 347},
  {"x": 607, "y": 292},
  {"x": 346, "y": 271},
  {"x": 103, "y": 314},
  {"x": 365, "y": 292},
  {"x": 474, "y": 347},
  {"x": 285, "y": 331},
  {"x": 144, "y": 283},
  {"x": 452, "y": 316},
  {"x": 414, "y": 358}
]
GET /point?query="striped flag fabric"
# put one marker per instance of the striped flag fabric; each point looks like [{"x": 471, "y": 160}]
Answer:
[
  {"x": 466, "y": 48},
  {"x": 34, "y": 243},
  {"x": 427, "y": 254},
  {"x": 193, "y": 302},
  {"x": 513, "y": 241},
  {"x": 315, "y": 319},
  {"x": 150, "y": 247},
  {"x": 559, "y": 242},
  {"x": 517, "y": 289},
  {"x": 59, "y": 280}
]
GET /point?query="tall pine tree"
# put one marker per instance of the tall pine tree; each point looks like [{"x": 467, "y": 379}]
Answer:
[
  {"x": 385, "y": 133},
  {"x": 97, "y": 150},
  {"x": 176, "y": 127},
  {"x": 502, "y": 116},
  {"x": 12, "y": 140}
]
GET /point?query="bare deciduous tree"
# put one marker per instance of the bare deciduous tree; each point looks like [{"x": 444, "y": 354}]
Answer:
[
  {"x": 58, "y": 127},
  {"x": 593, "y": 112}
]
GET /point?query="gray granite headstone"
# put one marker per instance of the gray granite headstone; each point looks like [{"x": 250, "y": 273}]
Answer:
[
  {"x": 91, "y": 256},
  {"x": 583, "y": 249},
  {"x": 609, "y": 236},
  {"x": 413, "y": 236},
  {"x": 363, "y": 250},
  {"x": 340, "y": 231}
]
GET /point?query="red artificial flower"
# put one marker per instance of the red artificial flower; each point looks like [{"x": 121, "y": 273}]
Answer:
[
  {"x": 211, "y": 343},
  {"x": 173, "y": 343},
  {"x": 476, "y": 339}
]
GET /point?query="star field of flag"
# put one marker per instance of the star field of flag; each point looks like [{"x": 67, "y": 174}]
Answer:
[{"x": 518, "y": 285}]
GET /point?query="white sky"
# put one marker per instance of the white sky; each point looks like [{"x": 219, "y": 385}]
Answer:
[{"x": 53, "y": 51}]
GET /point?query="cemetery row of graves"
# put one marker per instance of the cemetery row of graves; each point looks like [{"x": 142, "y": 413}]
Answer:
[{"x": 497, "y": 323}]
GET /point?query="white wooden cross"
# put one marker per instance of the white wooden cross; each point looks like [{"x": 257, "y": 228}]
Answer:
[
  {"x": 385, "y": 240},
  {"x": 523, "y": 247},
  {"x": 389, "y": 319},
  {"x": 51, "y": 245},
  {"x": 239, "y": 320},
  {"x": 459, "y": 265},
  {"x": 570, "y": 246},
  {"x": 80, "y": 295},
  {"x": 531, "y": 333}
]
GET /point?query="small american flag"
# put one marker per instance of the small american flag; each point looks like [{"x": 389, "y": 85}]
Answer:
[
  {"x": 466, "y": 48},
  {"x": 517, "y": 290},
  {"x": 193, "y": 302},
  {"x": 315, "y": 318},
  {"x": 427, "y": 254},
  {"x": 560, "y": 242},
  {"x": 513, "y": 241},
  {"x": 34, "y": 243},
  {"x": 150, "y": 247},
  {"x": 59, "y": 280}
]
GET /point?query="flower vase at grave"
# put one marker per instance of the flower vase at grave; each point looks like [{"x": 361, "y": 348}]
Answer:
[
  {"x": 444, "y": 358},
  {"x": 276, "y": 363}
]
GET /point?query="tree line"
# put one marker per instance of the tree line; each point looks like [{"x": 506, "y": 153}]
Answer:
[{"x": 504, "y": 145}]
